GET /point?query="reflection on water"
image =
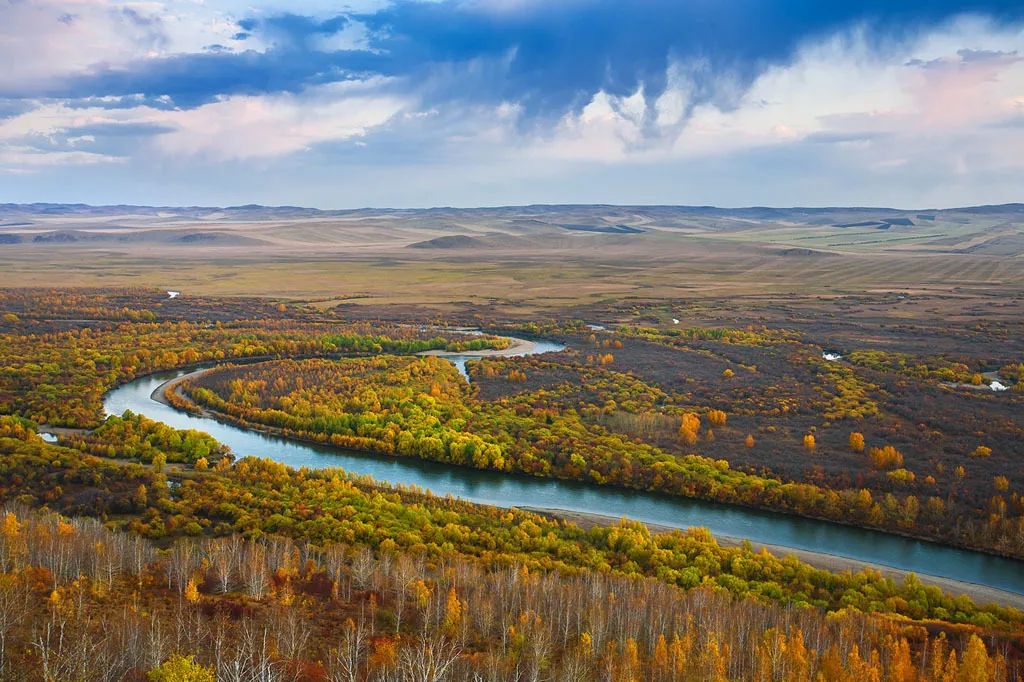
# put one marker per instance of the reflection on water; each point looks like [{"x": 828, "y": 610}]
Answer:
[{"x": 506, "y": 490}]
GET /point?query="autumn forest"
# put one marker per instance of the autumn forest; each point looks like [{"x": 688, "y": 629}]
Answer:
[{"x": 134, "y": 550}]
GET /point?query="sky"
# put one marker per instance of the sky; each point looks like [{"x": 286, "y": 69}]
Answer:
[{"x": 506, "y": 102}]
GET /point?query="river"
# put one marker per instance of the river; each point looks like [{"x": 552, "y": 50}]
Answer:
[{"x": 521, "y": 491}]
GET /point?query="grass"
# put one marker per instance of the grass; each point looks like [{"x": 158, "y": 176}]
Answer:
[
  {"x": 364, "y": 260},
  {"x": 540, "y": 280}
]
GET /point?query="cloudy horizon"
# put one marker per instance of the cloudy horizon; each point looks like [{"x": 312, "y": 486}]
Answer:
[{"x": 511, "y": 102}]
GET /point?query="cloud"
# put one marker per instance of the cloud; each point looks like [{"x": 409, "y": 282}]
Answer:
[
  {"x": 246, "y": 127},
  {"x": 542, "y": 87},
  {"x": 292, "y": 31},
  {"x": 46, "y": 43},
  {"x": 839, "y": 91},
  {"x": 21, "y": 159},
  {"x": 968, "y": 57},
  {"x": 232, "y": 128},
  {"x": 548, "y": 58}
]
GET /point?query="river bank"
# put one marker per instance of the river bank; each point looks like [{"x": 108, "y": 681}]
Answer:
[
  {"x": 818, "y": 559},
  {"x": 518, "y": 347},
  {"x": 824, "y": 542},
  {"x": 981, "y": 594}
]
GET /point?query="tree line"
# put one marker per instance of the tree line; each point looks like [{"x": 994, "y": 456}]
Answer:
[{"x": 82, "y": 602}]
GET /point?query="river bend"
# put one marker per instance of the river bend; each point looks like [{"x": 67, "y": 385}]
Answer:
[{"x": 507, "y": 490}]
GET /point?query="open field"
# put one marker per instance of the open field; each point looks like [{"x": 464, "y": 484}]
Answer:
[{"x": 532, "y": 258}]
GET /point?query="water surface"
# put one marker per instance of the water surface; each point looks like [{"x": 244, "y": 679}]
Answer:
[{"x": 509, "y": 490}]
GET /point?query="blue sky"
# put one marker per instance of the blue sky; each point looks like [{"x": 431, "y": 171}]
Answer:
[{"x": 490, "y": 102}]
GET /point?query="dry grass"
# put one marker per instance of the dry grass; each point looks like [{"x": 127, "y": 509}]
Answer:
[{"x": 519, "y": 257}]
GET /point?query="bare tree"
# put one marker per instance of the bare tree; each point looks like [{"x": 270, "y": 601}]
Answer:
[
  {"x": 405, "y": 571},
  {"x": 14, "y": 610},
  {"x": 224, "y": 555},
  {"x": 250, "y": 661},
  {"x": 182, "y": 560},
  {"x": 363, "y": 567},
  {"x": 345, "y": 662},
  {"x": 291, "y": 630},
  {"x": 254, "y": 569},
  {"x": 66, "y": 652},
  {"x": 334, "y": 562},
  {"x": 431, "y": 660}
]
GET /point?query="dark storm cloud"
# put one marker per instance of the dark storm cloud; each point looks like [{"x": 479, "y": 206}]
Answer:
[{"x": 547, "y": 57}]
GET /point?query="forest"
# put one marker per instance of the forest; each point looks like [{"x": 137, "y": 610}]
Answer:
[
  {"x": 83, "y": 602},
  {"x": 422, "y": 408},
  {"x": 218, "y": 564},
  {"x": 256, "y": 497}
]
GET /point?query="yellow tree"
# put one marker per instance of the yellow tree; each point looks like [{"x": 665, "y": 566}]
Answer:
[
  {"x": 191, "y": 591},
  {"x": 180, "y": 669},
  {"x": 660, "y": 657},
  {"x": 798, "y": 659},
  {"x": 715, "y": 660},
  {"x": 630, "y": 660},
  {"x": 976, "y": 665},
  {"x": 689, "y": 428},
  {"x": 452, "y": 612},
  {"x": 901, "y": 666}
]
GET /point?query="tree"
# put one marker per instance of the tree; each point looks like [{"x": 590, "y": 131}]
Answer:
[
  {"x": 689, "y": 428},
  {"x": 857, "y": 441},
  {"x": 749, "y": 440},
  {"x": 430, "y": 661},
  {"x": 809, "y": 442},
  {"x": 975, "y": 664},
  {"x": 345, "y": 662},
  {"x": 452, "y": 612},
  {"x": 180, "y": 669},
  {"x": 886, "y": 457},
  {"x": 14, "y": 608},
  {"x": 141, "y": 497},
  {"x": 191, "y": 591}
]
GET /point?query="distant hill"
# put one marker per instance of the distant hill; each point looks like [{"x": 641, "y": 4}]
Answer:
[
  {"x": 254, "y": 210},
  {"x": 455, "y": 241},
  {"x": 598, "y": 228}
]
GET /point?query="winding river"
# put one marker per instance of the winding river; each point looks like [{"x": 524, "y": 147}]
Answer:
[{"x": 520, "y": 491}]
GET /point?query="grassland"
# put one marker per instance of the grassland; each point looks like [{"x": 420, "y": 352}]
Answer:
[{"x": 533, "y": 259}]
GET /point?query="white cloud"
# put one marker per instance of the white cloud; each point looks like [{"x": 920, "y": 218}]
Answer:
[
  {"x": 940, "y": 105},
  {"x": 942, "y": 96},
  {"x": 242, "y": 127},
  {"x": 231, "y": 128},
  {"x": 44, "y": 41},
  {"x": 15, "y": 158}
]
